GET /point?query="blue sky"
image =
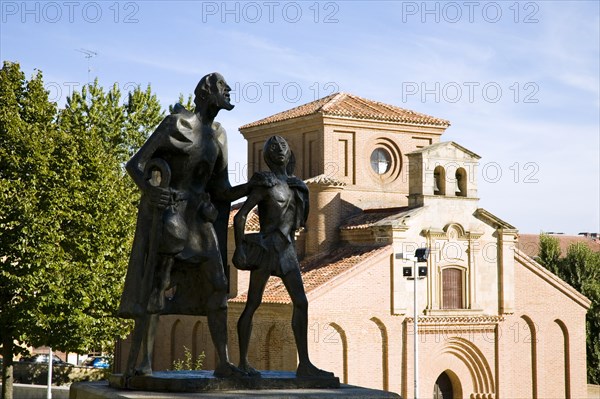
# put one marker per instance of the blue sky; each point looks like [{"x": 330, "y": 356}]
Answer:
[{"x": 519, "y": 81}]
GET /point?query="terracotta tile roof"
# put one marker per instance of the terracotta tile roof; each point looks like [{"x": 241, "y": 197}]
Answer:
[
  {"x": 370, "y": 217},
  {"x": 530, "y": 243},
  {"x": 354, "y": 107},
  {"x": 252, "y": 222},
  {"x": 319, "y": 270}
]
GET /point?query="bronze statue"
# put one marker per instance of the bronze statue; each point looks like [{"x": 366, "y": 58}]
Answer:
[
  {"x": 178, "y": 261},
  {"x": 282, "y": 201}
]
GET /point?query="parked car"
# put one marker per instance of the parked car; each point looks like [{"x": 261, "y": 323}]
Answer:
[
  {"x": 99, "y": 362},
  {"x": 43, "y": 358}
]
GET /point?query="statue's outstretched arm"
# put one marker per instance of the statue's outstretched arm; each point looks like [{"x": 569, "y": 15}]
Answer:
[{"x": 221, "y": 190}]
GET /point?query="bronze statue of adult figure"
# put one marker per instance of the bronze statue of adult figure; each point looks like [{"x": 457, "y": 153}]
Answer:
[
  {"x": 177, "y": 263},
  {"x": 282, "y": 201}
]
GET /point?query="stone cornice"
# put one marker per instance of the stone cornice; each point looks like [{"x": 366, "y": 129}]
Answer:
[
  {"x": 456, "y": 324},
  {"x": 444, "y": 235},
  {"x": 494, "y": 221},
  {"x": 435, "y": 146},
  {"x": 347, "y": 122},
  {"x": 466, "y": 320},
  {"x": 434, "y": 233}
]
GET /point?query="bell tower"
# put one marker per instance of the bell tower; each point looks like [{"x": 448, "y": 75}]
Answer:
[{"x": 442, "y": 171}]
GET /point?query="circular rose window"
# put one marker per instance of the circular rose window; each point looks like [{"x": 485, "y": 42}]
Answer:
[{"x": 381, "y": 160}]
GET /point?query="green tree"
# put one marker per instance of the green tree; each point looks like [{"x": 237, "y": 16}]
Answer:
[
  {"x": 580, "y": 267},
  {"x": 28, "y": 230},
  {"x": 188, "y": 103},
  {"x": 67, "y": 212}
]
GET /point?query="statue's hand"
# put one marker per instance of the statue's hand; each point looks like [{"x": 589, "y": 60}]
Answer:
[
  {"x": 239, "y": 258},
  {"x": 159, "y": 196}
]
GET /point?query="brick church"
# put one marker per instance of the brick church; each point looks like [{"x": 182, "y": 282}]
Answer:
[{"x": 492, "y": 322}]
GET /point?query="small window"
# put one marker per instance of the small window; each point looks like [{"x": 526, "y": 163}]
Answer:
[
  {"x": 452, "y": 288},
  {"x": 381, "y": 161}
]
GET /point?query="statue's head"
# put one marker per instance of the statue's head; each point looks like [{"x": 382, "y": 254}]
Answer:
[
  {"x": 212, "y": 88},
  {"x": 276, "y": 152}
]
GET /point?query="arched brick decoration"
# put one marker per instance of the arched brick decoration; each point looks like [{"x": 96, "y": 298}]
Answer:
[
  {"x": 201, "y": 343},
  {"x": 481, "y": 373},
  {"x": 333, "y": 350},
  {"x": 385, "y": 373},
  {"x": 566, "y": 357},
  {"x": 525, "y": 344},
  {"x": 274, "y": 349},
  {"x": 176, "y": 349}
]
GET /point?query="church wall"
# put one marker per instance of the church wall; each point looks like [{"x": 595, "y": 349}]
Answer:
[
  {"x": 533, "y": 341},
  {"x": 352, "y": 331}
]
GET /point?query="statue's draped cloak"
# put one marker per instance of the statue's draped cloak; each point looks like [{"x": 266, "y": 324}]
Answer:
[{"x": 198, "y": 162}]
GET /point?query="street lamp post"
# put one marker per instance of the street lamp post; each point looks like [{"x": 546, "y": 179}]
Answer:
[{"x": 416, "y": 274}]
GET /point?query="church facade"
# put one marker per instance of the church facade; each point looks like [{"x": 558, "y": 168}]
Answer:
[{"x": 492, "y": 323}]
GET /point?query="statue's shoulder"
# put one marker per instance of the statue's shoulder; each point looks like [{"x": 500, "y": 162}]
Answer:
[
  {"x": 181, "y": 116},
  {"x": 180, "y": 111},
  {"x": 297, "y": 183},
  {"x": 263, "y": 179},
  {"x": 178, "y": 125}
]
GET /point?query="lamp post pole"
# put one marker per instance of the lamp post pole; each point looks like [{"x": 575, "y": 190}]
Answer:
[
  {"x": 415, "y": 273},
  {"x": 49, "y": 386},
  {"x": 416, "y": 334}
]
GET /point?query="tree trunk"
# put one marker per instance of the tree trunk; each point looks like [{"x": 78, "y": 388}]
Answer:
[{"x": 7, "y": 367}]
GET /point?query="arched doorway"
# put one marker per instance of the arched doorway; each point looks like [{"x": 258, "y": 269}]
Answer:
[{"x": 444, "y": 389}]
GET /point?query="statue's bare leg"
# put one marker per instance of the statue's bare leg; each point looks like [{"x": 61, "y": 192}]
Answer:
[
  {"x": 148, "y": 346},
  {"x": 258, "y": 281},
  {"x": 295, "y": 287},
  {"x": 139, "y": 331},
  {"x": 142, "y": 338},
  {"x": 217, "y": 322},
  {"x": 144, "y": 330}
]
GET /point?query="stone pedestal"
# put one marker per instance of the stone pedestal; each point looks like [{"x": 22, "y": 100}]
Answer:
[
  {"x": 186, "y": 384},
  {"x": 203, "y": 381}
]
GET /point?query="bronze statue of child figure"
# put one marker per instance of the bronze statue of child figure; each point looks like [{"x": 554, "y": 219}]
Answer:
[{"x": 282, "y": 201}]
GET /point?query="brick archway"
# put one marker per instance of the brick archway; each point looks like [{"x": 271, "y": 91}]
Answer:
[
  {"x": 447, "y": 386},
  {"x": 384, "y": 353},
  {"x": 474, "y": 362}
]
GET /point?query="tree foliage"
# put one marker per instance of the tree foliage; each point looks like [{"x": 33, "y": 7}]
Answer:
[
  {"x": 580, "y": 267},
  {"x": 188, "y": 103},
  {"x": 67, "y": 210}
]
